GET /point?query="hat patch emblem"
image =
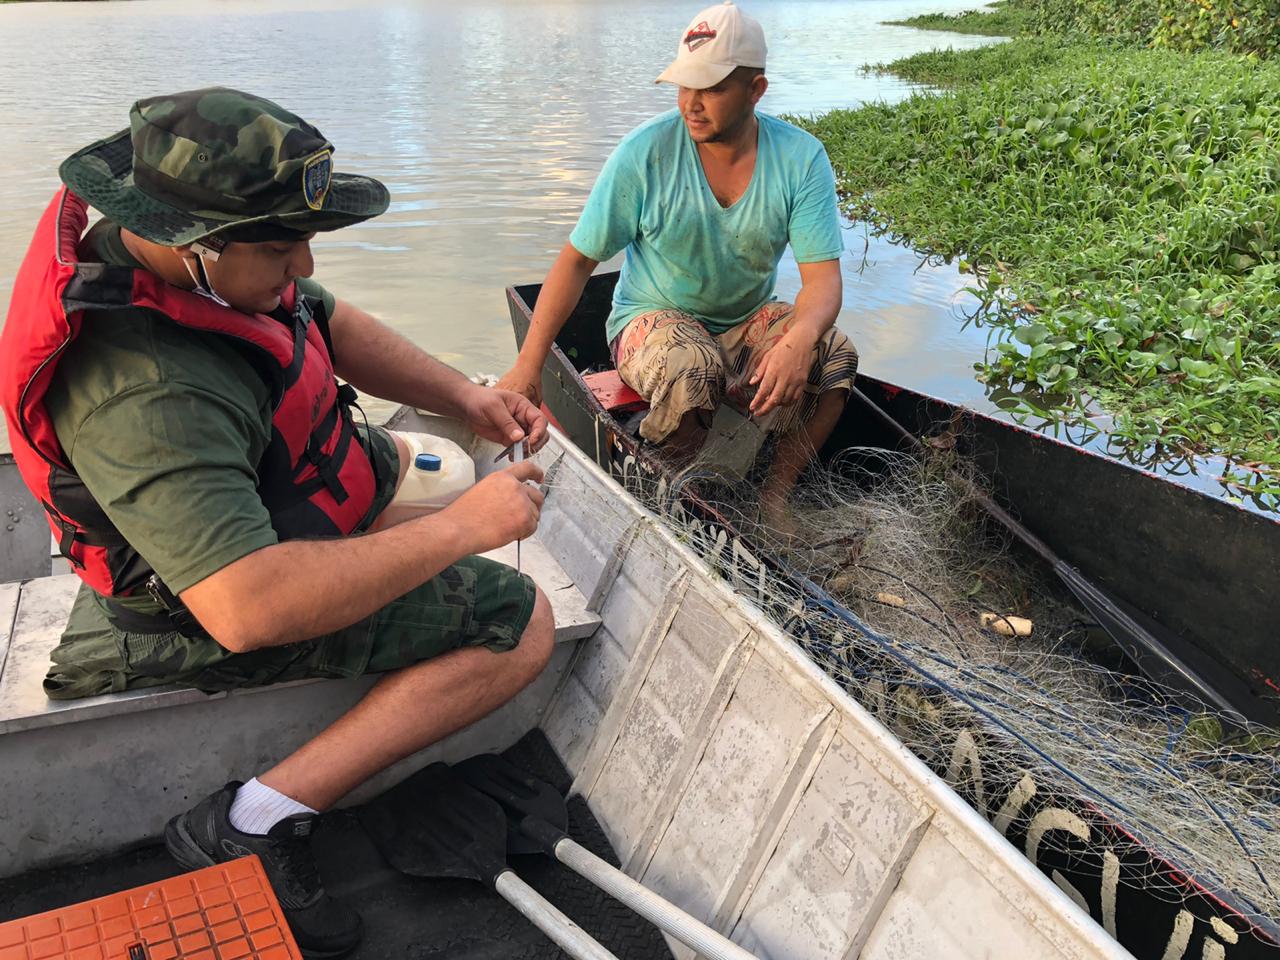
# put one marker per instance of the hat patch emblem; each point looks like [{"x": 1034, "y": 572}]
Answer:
[
  {"x": 316, "y": 173},
  {"x": 699, "y": 35}
]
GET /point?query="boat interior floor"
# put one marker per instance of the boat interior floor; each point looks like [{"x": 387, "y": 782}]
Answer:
[{"x": 403, "y": 916}]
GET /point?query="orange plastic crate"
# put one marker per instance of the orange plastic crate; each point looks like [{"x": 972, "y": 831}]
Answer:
[{"x": 224, "y": 912}]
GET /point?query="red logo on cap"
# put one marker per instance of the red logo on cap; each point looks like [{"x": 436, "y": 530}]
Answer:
[{"x": 698, "y": 36}]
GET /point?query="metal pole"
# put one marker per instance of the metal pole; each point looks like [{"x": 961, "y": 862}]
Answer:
[
  {"x": 568, "y": 936},
  {"x": 662, "y": 913}
]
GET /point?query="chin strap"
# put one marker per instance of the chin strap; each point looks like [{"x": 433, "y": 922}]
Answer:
[{"x": 203, "y": 285}]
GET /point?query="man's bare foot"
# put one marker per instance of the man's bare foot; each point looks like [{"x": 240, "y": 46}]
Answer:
[
  {"x": 683, "y": 444},
  {"x": 777, "y": 517}
]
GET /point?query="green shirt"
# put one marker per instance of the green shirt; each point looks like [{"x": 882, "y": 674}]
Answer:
[{"x": 165, "y": 425}]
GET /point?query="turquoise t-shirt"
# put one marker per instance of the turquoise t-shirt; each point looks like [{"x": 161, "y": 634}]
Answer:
[{"x": 686, "y": 252}]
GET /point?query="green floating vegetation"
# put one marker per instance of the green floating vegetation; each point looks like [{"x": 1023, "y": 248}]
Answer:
[
  {"x": 951, "y": 68},
  {"x": 1241, "y": 26},
  {"x": 1250, "y": 27},
  {"x": 1120, "y": 209},
  {"x": 1004, "y": 19}
]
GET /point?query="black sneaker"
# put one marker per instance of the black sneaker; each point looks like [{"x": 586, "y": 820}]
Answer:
[{"x": 203, "y": 836}]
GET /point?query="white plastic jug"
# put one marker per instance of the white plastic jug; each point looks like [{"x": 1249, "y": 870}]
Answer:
[{"x": 439, "y": 472}]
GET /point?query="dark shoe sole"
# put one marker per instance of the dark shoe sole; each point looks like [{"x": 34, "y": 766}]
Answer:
[{"x": 183, "y": 848}]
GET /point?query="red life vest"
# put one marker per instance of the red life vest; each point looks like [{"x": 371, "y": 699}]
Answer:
[{"x": 315, "y": 479}]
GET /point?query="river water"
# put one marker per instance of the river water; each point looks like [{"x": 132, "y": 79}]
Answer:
[{"x": 488, "y": 120}]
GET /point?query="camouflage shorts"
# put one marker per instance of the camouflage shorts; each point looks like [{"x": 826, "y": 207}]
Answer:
[
  {"x": 474, "y": 603},
  {"x": 670, "y": 359}
]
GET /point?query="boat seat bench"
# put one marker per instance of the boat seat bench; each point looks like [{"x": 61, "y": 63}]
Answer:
[
  {"x": 33, "y": 614},
  {"x": 165, "y": 733},
  {"x": 614, "y": 395}
]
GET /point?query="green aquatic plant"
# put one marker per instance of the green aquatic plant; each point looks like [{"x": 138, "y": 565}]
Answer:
[
  {"x": 950, "y": 67},
  {"x": 1004, "y": 19},
  {"x": 1241, "y": 26},
  {"x": 1120, "y": 212}
]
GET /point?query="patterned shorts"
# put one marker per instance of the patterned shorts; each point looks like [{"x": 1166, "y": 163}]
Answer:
[
  {"x": 474, "y": 603},
  {"x": 669, "y": 358}
]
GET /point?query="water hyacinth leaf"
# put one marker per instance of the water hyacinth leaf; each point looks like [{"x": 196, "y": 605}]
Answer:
[
  {"x": 1197, "y": 330},
  {"x": 1032, "y": 334},
  {"x": 1224, "y": 348},
  {"x": 1142, "y": 359},
  {"x": 1039, "y": 350},
  {"x": 1197, "y": 368},
  {"x": 1084, "y": 156}
]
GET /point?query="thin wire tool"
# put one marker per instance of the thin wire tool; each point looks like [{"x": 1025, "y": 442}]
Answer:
[
  {"x": 517, "y": 454},
  {"x": 514, "y": 453}
]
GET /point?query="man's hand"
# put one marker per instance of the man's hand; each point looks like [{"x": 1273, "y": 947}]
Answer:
[
  {"x": 527, "y": 383},
  {"x": 782, "y": 372},
  {"x": 499, "y": 509},
  {"x": 560, "y": 293},
  {"x": 504, "y": 417}
]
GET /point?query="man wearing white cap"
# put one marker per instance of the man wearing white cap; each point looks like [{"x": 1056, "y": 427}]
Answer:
[{"x": 704, "y": 199}]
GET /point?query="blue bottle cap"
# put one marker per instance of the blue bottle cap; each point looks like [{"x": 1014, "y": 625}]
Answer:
[{"x": 427, "y": 461}]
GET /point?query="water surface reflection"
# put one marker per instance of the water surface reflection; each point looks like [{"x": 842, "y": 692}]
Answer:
[{"x": 488, "y": 121}]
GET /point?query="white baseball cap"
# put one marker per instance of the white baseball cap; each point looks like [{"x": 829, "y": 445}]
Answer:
[{"x": 716, "y": 42}]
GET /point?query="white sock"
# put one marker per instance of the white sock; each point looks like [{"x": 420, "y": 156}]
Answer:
[{"x": 257, "y": 808}]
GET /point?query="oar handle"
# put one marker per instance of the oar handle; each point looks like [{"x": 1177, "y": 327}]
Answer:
[
  {"x": 568, "y": 936},
  {"x": 661, "y": 913}
]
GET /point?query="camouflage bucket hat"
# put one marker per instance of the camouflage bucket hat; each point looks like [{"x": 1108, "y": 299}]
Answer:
[{"x": 219, "y": 162}]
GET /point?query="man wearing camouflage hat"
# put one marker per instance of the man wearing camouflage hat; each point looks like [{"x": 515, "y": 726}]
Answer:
[
  {"x": 169, "y": 387},
  {"x": 704, "y": 199}
]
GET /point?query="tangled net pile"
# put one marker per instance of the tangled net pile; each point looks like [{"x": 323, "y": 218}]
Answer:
[{"x": 904, "y": 544}]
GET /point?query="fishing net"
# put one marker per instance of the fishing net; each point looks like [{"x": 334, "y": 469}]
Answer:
[{"x": 930, "y": 600}]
